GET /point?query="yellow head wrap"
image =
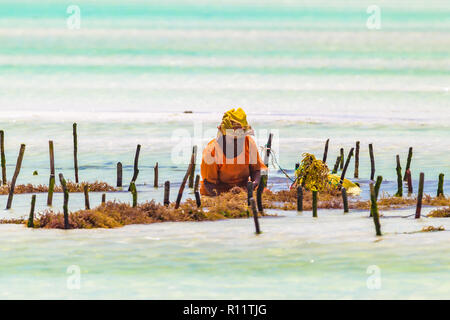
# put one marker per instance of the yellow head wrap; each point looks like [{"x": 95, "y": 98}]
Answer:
[{"x": 231, "y": 117}]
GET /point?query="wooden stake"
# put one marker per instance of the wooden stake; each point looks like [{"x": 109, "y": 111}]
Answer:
[
  {"x": 14, "y": 178},
  {"x": 325, "y": 153},
  {"x": 183, "y": 183},
  {"x": 51, "y": 182},
  {"x": 119, "y": 174},
  {"x": 155, "y": 182},
  {"x": 263, "y": 182},
  {"x": 314, "y": 203},
  {"x": 198, "y": 200},
  {"x": 345, "y": 199},
  {"x": 255, "y": 215},
  {"x": 75, "y": 151},
  {"x": 399, "y": 179},
  {"x": 299, "y": 198},
  {"x": 136, "y": 162},
  {"x": 408, "y": 163},
  {"x": 51, "y": 154},
  {"x": 166, "y": 193},
  {"x": 440, "y": 190},
  {"x": 378, "y": 186},
  {"x": 87, "y": 206},
  {"x": 341, "y": 165},
  {"x": 249, "y": 192},
  {"x": 197, "y": 182},
  {"x": 374, "y": 210},
  {"x": 372, "y": 162},
  {"x": 134, "y": 193},
  {"x": 420, "y": 195},
  {"x": 357, "y": 160},
  {"x": 191, "y": 176},
  {"x": 104, "y": 198},
  {"x": 268, "y": 148},
  {"x": 336, "y": 165},
  {"x": 409, "y": 181},
  {"x": 66, "y": 201},
  {"x": 31, "y": 217},
  {"x": 51, "y": 187},
  {"x": 347, "y": 163},
  {"x": 259, "y": 192},
  {"x": 3, "y": 158}
]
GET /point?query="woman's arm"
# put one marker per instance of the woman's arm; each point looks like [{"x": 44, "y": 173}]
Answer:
[
  {"x": 209, "y": 170},
  {"x": 256, "y": 163},
  {"x": 255, "y": 175}
]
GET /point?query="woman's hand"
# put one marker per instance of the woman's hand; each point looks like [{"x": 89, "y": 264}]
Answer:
[
  {"x": 256, "y": 178},
  {"x": 211, "y": 188}
]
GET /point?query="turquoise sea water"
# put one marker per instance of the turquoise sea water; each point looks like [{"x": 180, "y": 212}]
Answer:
[{"x": 304, "y": 70}]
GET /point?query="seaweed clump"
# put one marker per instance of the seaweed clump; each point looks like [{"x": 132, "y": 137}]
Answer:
[
  {"x": 388, "y": 202},
  {"x": 432, "y": 229},
  {"x": 312, "y": 173},
  {"x": 114, "y": 214},
  {"x": 96, "y": 186},
  {"x": 440, "y": 213}
]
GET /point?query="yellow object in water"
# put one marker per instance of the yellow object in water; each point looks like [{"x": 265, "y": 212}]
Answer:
[
  {"x": 233, "y": 116},
  {"x": 351, "y": 187}
]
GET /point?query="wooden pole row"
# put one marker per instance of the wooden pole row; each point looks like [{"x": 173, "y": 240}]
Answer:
[
  {"x": 30, "y": 223},
  {"x": 325, "y": 153},
  {"x": 119, "y": 175},
  {"x": 336, "y": 165},
  {"x": 378, "y": 186},
  {"x": 399, "y": 178},
  {"x": 191, "y": 176},
  {"x": 357, "y": 160},
  {"x": 14, "y": 178},
  {"x": 3, "y": 158},
  {"x": 134, "y": 193},
  {"x": 409, "y": 181},
  {"x": 374, "y": 210},
  {"x": 345, "y": 200},
  {"x": 408, "y": 163},
  {"x": 51, "y": 182},
  {"x": 136, "y": 164},
  {"x": 166, "y": 193},
  {"x": 372, "y": 162},
  {"x": 299, "y": 198},
  {"x": 198, "y": 200},
  {"x": 87, "y": 205},
  {"x": 183, "y": 183},
  {"x": 314, "y": 203},
  {"x": 440, "y": 190},
  {"x": 155, "y": 179},
  {"x": 347, "y": 163},
  {"x": 75, "y": 151},
  {"x": 255, "y": 216},
  {"x": 66, "y": 201},
  {"x": 420, "y": 195}
]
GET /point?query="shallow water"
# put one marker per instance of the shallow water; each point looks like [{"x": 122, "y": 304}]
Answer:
[
  {"x": 306, "y": 71},
  {"x": 295, "y": 257}
]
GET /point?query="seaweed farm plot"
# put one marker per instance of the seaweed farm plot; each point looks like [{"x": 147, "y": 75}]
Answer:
[{"x": 139, "y": 238}]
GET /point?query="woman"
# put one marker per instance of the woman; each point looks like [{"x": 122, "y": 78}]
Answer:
[{"x": 232, "y": 158}]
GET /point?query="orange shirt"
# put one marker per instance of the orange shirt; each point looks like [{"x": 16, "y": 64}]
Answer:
[{"x": 227, "y": 173}]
